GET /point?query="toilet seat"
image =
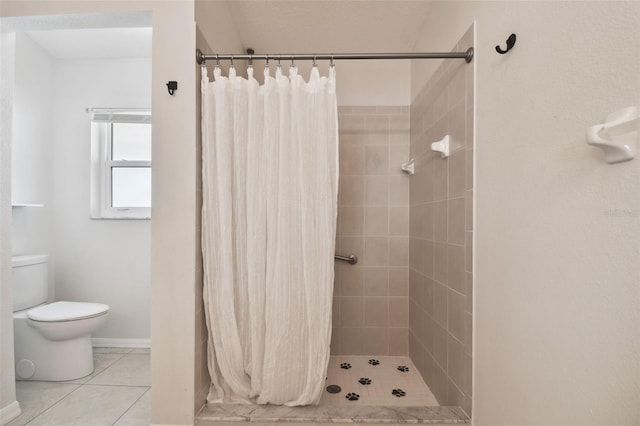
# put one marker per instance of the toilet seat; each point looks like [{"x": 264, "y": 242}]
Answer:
[{"x": 66, "y": 311}]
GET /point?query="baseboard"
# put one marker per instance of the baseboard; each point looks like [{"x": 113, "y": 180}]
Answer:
[
  {"x": 105, "y": 342},
  {"x": 9, "y": 412},
  {"x": 170, "y": 424}
]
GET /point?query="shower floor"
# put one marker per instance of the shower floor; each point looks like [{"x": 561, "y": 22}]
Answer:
[
  {"x": 389, "y": 396},
  {"x": 391, "y": 381}
]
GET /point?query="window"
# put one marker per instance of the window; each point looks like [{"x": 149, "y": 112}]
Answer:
[{"x": 120, "y": 164}]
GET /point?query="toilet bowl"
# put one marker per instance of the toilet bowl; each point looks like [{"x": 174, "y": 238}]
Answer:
[{"x": 52, "y": 342}]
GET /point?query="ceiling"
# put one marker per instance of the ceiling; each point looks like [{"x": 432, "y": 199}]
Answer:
[
  {"x": 270, "y": 26},
  {"x": 329, "y": 26},
  {"x": 95, "y": 43}
]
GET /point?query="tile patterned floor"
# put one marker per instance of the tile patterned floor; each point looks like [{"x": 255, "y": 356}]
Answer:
[
  {"x": 376, "y": 380},
  {"x": 116, "y": 393}
]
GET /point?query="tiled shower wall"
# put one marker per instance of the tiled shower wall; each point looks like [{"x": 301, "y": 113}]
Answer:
[
  {"x": 371, "y": 304},
  {"x": 441, "y": 203}
]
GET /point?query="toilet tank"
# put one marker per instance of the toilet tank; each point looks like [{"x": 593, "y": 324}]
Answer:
[{"x": 29, "y": 280}]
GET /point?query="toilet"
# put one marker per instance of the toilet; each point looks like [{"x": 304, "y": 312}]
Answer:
[{"x": 52, "y": 341}]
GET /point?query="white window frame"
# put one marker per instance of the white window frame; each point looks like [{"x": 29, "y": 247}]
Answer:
[{"x": 102, "y": 120}]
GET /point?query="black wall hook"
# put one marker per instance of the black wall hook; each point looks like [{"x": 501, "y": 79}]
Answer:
[
  {"x": 172, "y": 86},
  {"x": 511, "y": 41}
]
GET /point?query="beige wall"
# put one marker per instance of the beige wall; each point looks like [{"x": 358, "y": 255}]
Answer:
[
  {"x": 440, "y": 279},
  {"x": 557, "y": 323},
  {"x": 370, "y": 310},
  {"x": 8, "y": 405},
  {"x": 174, "y": 240}
]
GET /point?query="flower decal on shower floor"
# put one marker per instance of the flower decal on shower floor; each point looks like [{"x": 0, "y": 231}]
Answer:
[
  {"x": 364, "y": 381},
  {"x": 403, "y": 368},
  {"x": 345, "y": 365},
  {"x": 374, "y": 362}
]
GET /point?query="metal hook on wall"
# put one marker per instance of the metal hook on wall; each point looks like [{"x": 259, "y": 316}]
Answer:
[
  {"x": 172, "y": 86},
  {"x": 511, "y": 41}
]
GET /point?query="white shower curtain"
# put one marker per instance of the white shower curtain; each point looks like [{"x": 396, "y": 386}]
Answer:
[{"x": 270, "y": 184}]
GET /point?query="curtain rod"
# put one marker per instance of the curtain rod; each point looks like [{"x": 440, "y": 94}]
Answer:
[{"x": 201, "y": 58}]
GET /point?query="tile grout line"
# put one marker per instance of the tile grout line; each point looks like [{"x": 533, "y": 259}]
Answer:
[
  {"x": 118, "y": 386},
  {"x": 107, "y": 367},
  {"x": 85, "y": 383},
  {"x": 131, "y": 406},
  {"x": 79, "y": 386},
  {"x": 122, "y": 356},
  {"x": 54, "y": 404}
]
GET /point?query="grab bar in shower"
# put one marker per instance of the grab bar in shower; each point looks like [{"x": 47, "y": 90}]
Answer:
[{"x": 352, "y": 258}]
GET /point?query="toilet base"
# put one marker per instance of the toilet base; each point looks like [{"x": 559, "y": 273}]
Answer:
[{"x": 37, "y": 358}]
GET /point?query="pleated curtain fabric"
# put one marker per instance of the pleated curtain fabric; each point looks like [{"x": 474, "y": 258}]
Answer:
[{"x": 270, "y": 186}]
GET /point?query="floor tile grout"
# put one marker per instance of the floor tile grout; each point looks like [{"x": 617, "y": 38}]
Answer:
[
  {"x": 119, "y": 386},
  {"x": 131, "y": 406},
  {"x": 83, "y": 383},
  {"x": 53, "y": 405},
  {"x": 106, "y": 368},
  {"x": 110, "y": 366}
]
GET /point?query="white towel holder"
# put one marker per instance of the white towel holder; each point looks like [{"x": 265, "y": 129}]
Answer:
[
  {"x": 409, "y": 168},
  {"x": 442, "y": 146},
  {"x": 617, "y": 136}
]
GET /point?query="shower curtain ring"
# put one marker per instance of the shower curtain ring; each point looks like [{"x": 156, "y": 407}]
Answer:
[
  {"x": 331, "y": 62},
  {"x": 266, "y": 61},
  {"x": 251, "y": 61},
  {"x": 293, "y": 64},
  {"x": 217, "y": 61},
  {"x": 232, "y": 62},
  {"x": 279, "y": 59},
  {"x": 314, "y": 61}
]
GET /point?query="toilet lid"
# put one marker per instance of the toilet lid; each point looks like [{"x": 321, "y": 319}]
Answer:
[{"x": 66, "y": 311}]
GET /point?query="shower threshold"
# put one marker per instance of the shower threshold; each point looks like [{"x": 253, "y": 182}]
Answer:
[
  {"x": 216, "y": 415},
  {"x": 359, "y": 389}
]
